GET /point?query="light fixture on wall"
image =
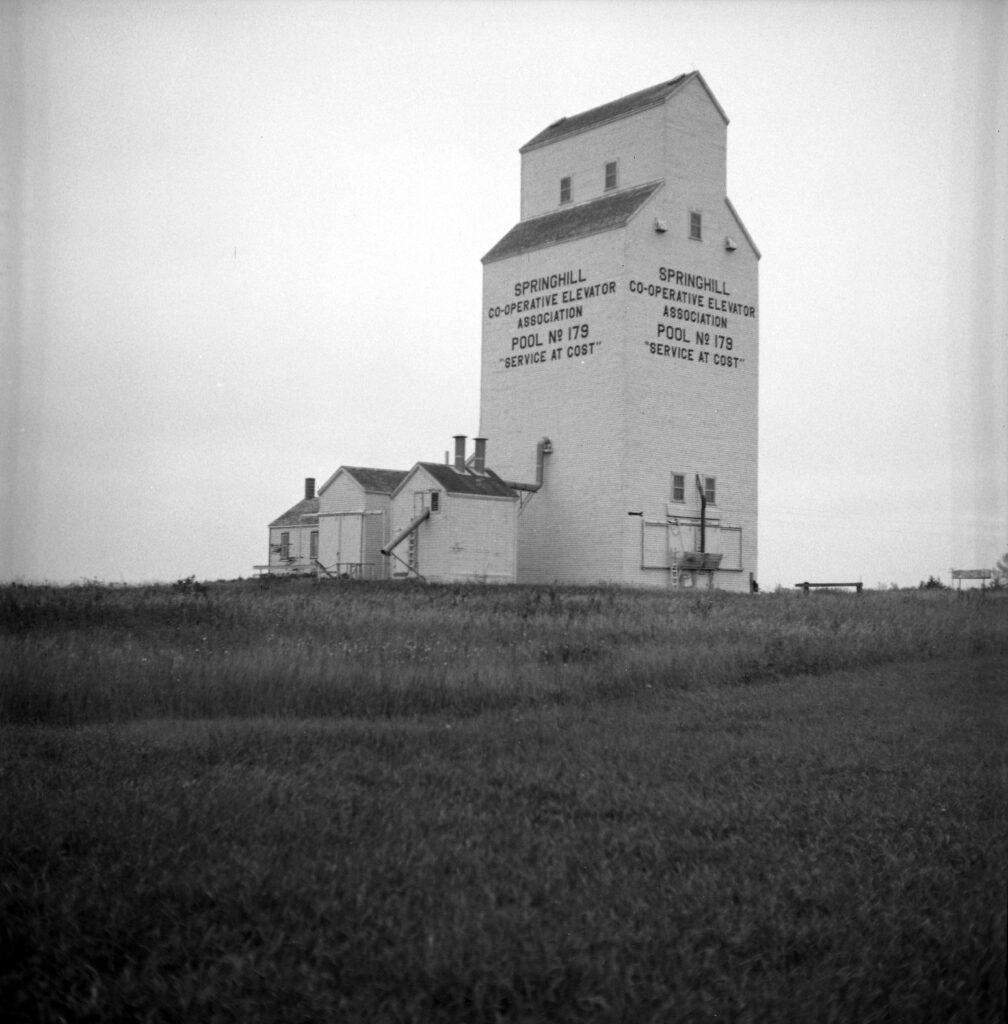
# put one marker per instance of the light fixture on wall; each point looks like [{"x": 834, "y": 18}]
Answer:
[{"x": 729, "y": 244}]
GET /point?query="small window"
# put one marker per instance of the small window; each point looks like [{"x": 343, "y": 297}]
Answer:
[
  {"x": 313, "y": 544},
  {"x": 435, "y": 501},
  {"x": 710, "y": 490},
  {"x": 694, "y": 226},
  {"x": 285, "y": 545},
  {"x": 565, "y": 190},
  {"x": 610, "y": 175},
  {"x": 678, "y": 486}
]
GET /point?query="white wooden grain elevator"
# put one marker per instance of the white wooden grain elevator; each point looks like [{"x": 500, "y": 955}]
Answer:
[{"x": 620, "y": 319}]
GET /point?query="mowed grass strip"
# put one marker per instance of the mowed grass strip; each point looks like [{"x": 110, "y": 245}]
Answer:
[{"x": 811, "y": 849}]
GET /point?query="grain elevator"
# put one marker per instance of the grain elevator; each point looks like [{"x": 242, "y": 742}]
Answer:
[
  {"x": 620, "y": 319},
  {"x": 619, "y": 380}
]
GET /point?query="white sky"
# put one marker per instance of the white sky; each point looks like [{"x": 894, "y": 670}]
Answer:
[{"x": 241, "y": 246}]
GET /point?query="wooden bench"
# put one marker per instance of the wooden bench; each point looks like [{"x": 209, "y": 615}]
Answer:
[{"x": 807, "y": 587}]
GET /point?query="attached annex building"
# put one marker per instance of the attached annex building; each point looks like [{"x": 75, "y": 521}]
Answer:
[
  {"x": 355, "y": 506},
  {"x": 442, "y": 523},
  {"x": 457, "y": 524},
  {"x": 620, "y": 337},
  {"x": 294, "y": 537}
]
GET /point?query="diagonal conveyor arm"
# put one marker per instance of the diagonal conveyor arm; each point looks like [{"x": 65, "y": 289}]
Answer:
[{"x": 403, "y": 534}]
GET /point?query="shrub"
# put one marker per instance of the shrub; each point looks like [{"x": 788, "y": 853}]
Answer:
[{"x": 932, "y": 583}]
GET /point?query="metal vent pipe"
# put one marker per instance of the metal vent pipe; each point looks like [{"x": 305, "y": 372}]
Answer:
[
  {"x": 460, "y": 442},
  {"x": 479, "y": 459},
  {"x": 703, "y": 515},
  {"x": 543, "y": 448}
]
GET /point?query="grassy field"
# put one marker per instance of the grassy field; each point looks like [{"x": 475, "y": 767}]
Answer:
[{"x": 284, "y": 802}]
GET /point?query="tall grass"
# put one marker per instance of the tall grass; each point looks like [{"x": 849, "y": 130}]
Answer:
[
  {"x": 296, "y": 649},
  {"x": 476, "y": 826},
  {"x": 816, "y": 850}
]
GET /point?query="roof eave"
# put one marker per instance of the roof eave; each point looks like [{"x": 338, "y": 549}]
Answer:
[
  {"x": 549, "y": 245},
  {"x": 349, "y": 470},
  {"x": 710, "y": 94},
  {"x": 427, "y": 467},
  {"x": 329, "y": 482},
  {"x": 532, "y": 144},
  {"x": 283, "y": 523},
  {"x": 406, "y": 479},
  {"x": 743, "y": 228},
  {"x": 654, "y": 186}
]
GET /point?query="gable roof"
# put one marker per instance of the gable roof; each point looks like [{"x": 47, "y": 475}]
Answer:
[
  {"x": 489, "y": 485},
  {"x": 635, "y": 102},
  {"x": 304, "y": 513},
  {"x": 383, "y": 481},
  {"x": 605, "y": 214},
  {"x": 378, "y": 481}
]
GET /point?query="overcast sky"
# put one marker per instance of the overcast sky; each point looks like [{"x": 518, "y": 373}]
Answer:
[{"x": 241, "y": 246}]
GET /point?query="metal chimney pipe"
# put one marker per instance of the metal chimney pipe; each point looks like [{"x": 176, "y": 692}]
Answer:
[
  {"x": 460, "y": 441},
  {"x": 544, "y": 448},
  {"x": 479, "y": 459},
  {"x": 309, "y": 487}
]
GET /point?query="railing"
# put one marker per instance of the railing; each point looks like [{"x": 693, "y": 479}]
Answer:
[
  {"x": 335, "y": 571},
  {"x": 806, "y": 586},
  {"x": 291, "y": 567},
  {"x": 345, "y": 570}
]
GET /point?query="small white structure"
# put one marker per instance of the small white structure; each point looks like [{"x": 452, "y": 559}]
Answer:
[
  {"x": 354, "y": 510},
  {"x": 454, "y": 523},
  {"x": 294, "y": 537}
]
